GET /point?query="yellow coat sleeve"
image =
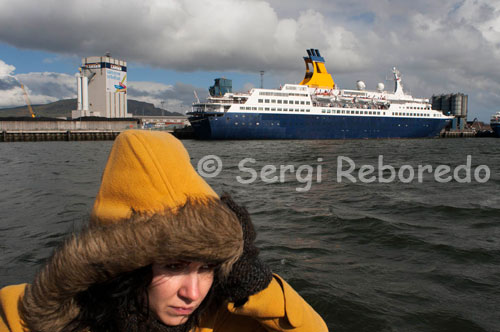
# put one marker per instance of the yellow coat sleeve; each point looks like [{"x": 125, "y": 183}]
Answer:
[
  {"x": 280, "y": 308},
  {"x": 9, "y": 314}
]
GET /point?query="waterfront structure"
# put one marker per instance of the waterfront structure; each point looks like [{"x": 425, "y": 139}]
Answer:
[
  {"x": 102, "y": 88},
  {"x": 317, "y": 109},
  {"x": 47, "y": 129},
  {"x": 454, "y": 104},
  {"x": 495, "y": 124},
  {"x": 162, "y": 122}
]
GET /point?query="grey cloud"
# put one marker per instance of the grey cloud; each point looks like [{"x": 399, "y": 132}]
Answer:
[
  {"x": 177, "y": 97},
  {"x": 40, "y": 87},
  {"x": 56, "y": 85},
  {"x": 442, "y": 45},
  {"x": 175, "y": 34},
  {"x": 8, "y": 83}
]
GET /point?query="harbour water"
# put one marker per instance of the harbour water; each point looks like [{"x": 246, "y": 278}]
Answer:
[{"x": 412, "y": 254}]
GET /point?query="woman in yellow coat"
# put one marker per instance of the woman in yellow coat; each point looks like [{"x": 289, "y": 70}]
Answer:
[{"x": 162, "y": 252}]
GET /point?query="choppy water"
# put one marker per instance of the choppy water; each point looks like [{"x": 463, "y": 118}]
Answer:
[{"x": 367, "y": 256}]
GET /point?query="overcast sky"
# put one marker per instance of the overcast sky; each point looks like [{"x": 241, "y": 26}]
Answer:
[{"x": 174, "y": 47}]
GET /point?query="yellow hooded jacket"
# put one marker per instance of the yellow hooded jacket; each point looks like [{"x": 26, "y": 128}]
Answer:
[
  {"x": 149, "y": 173},
  {"x": 277, "y": 308}
]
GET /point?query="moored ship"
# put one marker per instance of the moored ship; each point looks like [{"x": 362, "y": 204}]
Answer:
[
  {"x": 316, "y": 109},
  {"x": 495, "y": 124}
]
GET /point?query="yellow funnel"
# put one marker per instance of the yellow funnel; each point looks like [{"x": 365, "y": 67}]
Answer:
[{"x": 318, "y": 77}]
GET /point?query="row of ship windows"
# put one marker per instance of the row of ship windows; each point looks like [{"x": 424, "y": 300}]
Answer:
[
  {"x": 351, "y": 112},
  {"x": 413, "y": 114},
  {"x": 377, "y": 113},
  {"x": 256, "y": 123},
  {"x": 374, "y": 113},
  {"x": 277, "y": 124},
  {"x": 415, "y": 108},
  {"x": 273, "y": 109},
  {"x": 279, "y": 101},
  {"x": 282, "y": 94},
  {"x": 327, "y": 111}
]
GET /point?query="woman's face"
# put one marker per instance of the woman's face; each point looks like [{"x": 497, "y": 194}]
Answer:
[{"x": 177, "y": 289}]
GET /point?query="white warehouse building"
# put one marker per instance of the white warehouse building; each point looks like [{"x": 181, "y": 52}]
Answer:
[{"x": 102, "y": 88}]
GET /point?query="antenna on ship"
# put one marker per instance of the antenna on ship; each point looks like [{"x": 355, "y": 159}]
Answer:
[{"x": 262, "y": 79}]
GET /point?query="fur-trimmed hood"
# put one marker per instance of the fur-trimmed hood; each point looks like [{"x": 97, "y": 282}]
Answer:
[{"x": 151, "y": 207}]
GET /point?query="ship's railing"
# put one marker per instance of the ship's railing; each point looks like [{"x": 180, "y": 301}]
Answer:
[
  {"x": 207, "y": 108},
  {"x": 226, "y": 101},
  {"x": 495, "y": 118},
  {"x": 352, "y": 105}
]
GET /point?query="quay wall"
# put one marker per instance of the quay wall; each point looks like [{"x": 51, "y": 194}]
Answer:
[
  {"x": 65, "y": 125},
  {"x": 29, "y": 130},
  {"x": 462, "y": 133},
  {"x": 22, "y": 130},
  {"x": 35, "y": 136}
]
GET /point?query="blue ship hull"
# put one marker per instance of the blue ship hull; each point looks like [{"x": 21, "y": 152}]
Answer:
[
  {"x": 308, "y": 126},
  {"x": 496, "y": 129}
]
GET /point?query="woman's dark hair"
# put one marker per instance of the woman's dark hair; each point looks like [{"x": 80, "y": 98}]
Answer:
[
  {"x": 105, "y": 306},
  {"x": 121, "y": 304}
]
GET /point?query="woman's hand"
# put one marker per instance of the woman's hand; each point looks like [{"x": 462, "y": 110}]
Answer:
[{"x": 248, "y": 275}]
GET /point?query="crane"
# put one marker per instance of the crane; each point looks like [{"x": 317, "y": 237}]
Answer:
[{"x": 28, "y": 103}]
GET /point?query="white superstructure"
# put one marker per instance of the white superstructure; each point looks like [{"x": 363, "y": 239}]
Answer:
[
  {"x": 295, "y": 98},
  {"x": 495, "y": 118}
]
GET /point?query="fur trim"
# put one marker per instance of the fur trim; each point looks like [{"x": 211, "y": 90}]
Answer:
[{"x": 200, "y": 230}]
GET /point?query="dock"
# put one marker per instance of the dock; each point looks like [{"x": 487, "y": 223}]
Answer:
[
  {"x": 69, "y": 135},
  {"x": 50, "y": 129},
  {"x": 90, "y": 129},
  {"x": 74, "y": 135},
  {"x": 466, "y": 133}
]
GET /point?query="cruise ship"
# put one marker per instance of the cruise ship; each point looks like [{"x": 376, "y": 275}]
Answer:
[
  {"x": 495, "y": 124},
  {"x": 316, "y": 109}
]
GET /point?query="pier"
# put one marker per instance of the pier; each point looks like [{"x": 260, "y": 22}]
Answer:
[
  {"x": 49, "y": 129},
  {"x": 93, "y": 129},
  {"x": 466, "y": 133},
  {"x": 34, "y": 136}
]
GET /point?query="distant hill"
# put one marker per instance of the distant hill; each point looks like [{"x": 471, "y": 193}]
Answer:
[
  {"x": 63, "y": 108},
  {"x": 142, "y": 108}
]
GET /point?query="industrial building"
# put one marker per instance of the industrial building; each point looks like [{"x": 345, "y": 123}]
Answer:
[
  {"x": 453, "y": 104},
  {"x": 102, "y": 88}
]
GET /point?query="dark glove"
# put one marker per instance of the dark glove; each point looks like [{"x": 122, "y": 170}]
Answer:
[{"x": 248, "y": 275}]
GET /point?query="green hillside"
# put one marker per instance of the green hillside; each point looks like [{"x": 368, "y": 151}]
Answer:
[{"x": 63, "y": 108}]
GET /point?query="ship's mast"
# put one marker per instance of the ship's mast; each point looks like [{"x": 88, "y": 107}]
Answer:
[{"x": 398, "y": 86}]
